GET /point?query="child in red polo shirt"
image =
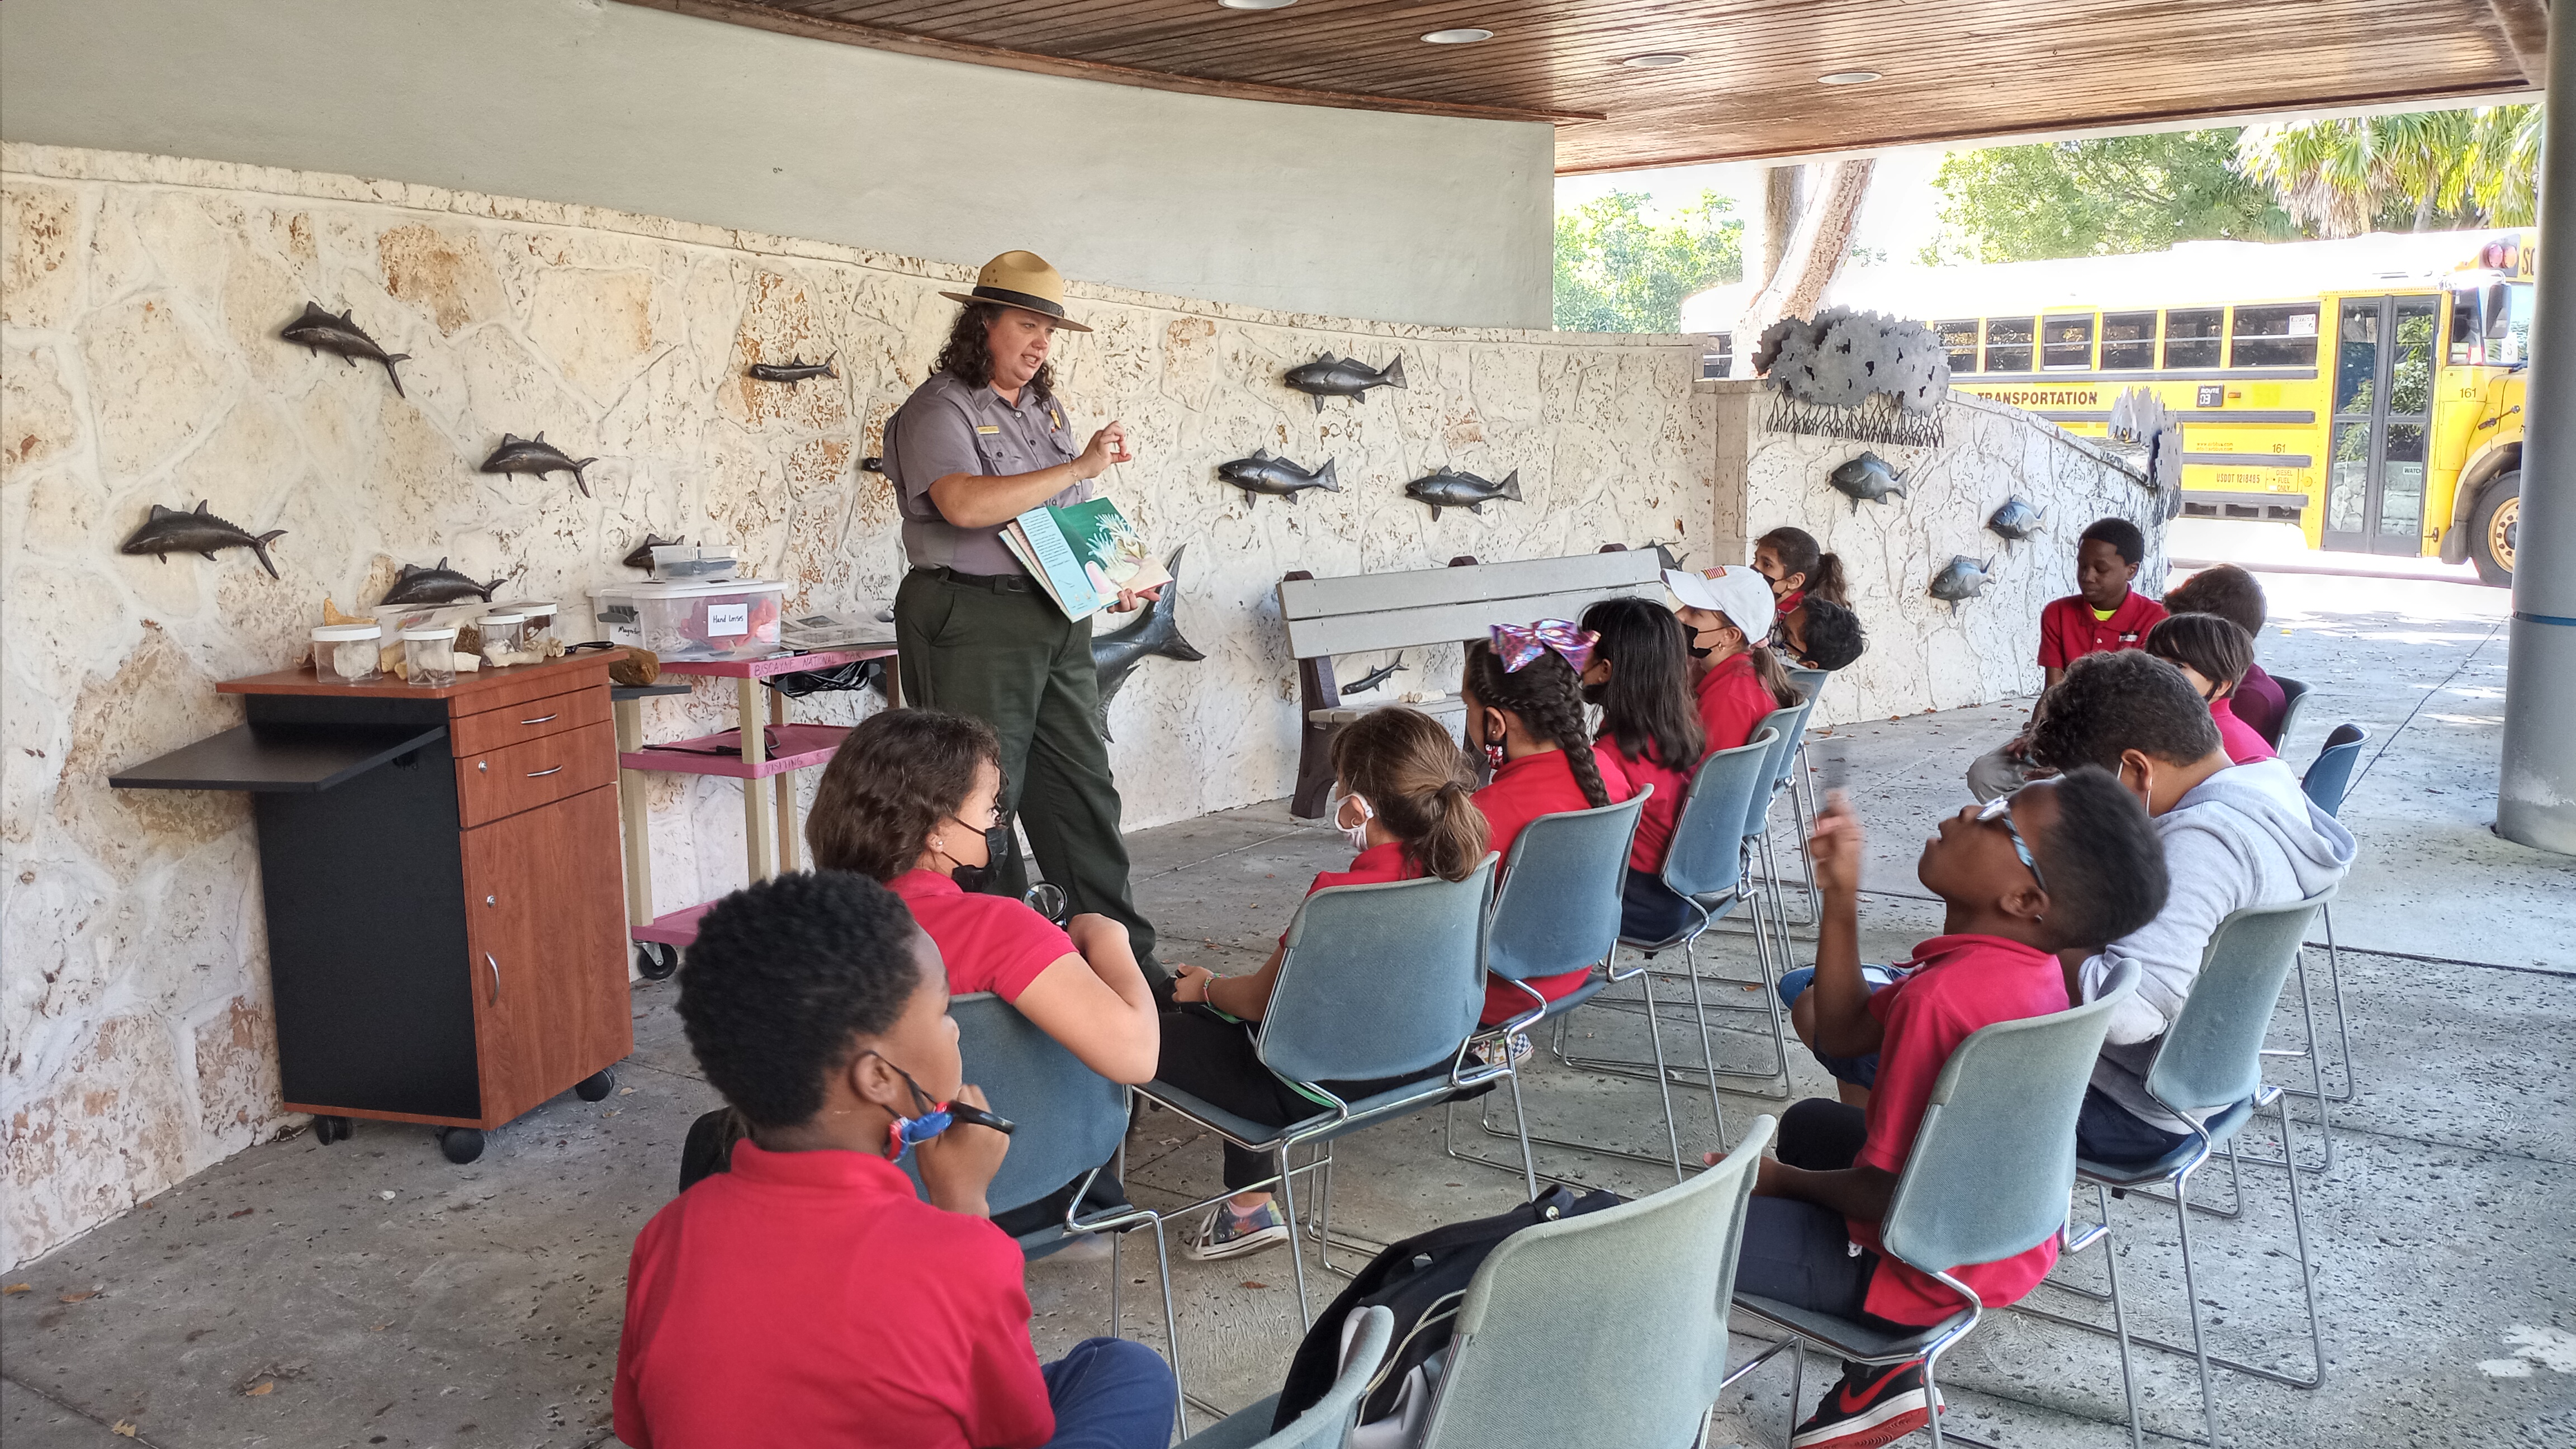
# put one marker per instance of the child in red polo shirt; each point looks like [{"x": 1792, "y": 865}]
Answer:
[
  {"x": 2103, "y": 615},
  {"x": 1727, "y": 613},
  {"x": 1640, "y": 678},
  {"x": 2213, "y": 655},
  {"x": 1402, "y": 795},
  {"x": 2068, "y": 863},
  {"x": 808, "y": 1296}
]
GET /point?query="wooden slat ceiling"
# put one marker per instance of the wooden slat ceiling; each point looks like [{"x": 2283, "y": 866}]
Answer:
[{"x": 1954, "y": 69}]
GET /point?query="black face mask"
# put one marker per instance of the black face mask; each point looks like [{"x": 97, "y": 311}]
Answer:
[
  {"x": 996, "y": 841},
  {"x": 1595, "y": 693}
]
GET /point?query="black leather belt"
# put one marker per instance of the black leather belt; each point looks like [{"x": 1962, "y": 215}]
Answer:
[{"x": 995, "y": 583}]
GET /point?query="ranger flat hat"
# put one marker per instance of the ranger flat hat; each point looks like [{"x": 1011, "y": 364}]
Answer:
[{"x": 1024, "y": 280}]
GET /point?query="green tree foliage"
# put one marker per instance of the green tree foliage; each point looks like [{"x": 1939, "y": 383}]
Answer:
[
  {"x": 1617, "y": 270},
  {"x": 2409, "y": 172},
  {"x": 2114, "y": 195}
]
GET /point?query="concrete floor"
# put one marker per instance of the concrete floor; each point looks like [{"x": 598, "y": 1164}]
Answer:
[{"x": 370, "y": 1293}]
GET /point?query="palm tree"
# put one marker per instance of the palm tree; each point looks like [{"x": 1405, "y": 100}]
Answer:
[{"x": 2343, "y": 177}]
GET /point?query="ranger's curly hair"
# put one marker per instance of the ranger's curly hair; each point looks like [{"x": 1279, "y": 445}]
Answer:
[{"x": 969, "y": 354}]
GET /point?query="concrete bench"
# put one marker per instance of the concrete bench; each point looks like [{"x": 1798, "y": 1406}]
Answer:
[{"x": 1419, "y": 607}]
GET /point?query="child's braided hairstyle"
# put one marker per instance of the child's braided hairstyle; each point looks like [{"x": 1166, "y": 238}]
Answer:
[{"x": 1548, "y": 697}]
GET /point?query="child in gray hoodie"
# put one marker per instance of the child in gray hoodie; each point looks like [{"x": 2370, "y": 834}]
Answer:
[{"x": 2234, "y": 835}]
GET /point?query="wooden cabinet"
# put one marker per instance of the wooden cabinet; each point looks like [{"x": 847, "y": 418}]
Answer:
[{"x": 549, "y": 1000}]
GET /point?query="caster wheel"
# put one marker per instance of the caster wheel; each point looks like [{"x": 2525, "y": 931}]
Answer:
[
  {"x": 461, "y": 1144},
  {"x": 327, "y": 1130},
  {"x": 597, "y": 1085},
  {"x": 655, "y": 961}
]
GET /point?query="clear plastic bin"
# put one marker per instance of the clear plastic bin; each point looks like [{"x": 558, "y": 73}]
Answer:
[
  {"x": 348, "y": 653},
  {"x": 736, "y": 620},
  {"x": 430, "y": 654}
]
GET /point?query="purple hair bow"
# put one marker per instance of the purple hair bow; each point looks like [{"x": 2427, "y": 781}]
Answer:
[{"x": 1518, "y": 644}]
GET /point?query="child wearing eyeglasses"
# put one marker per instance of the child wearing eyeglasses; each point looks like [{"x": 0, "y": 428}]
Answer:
[
  {"x": 2064, "y": 863},
  {"x": 808, "y": 1296}
]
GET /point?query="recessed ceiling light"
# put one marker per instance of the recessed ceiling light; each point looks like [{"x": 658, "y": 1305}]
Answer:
[
  {"x": 1466, "y": 35},
  {"x": 1659, "y": 61},
  {"x": 1848, "y": 78},
  {"x": 1256, "y": 4}
]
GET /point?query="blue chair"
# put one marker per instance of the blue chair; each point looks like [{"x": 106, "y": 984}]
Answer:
[
  {"x": 1608, "y": 1328},
  {"x": 1988, "y": 1178},
  {"x": 2294, "y": 695},
  {"x": 2326, "y": 783},
  {"x": 1791, "y": 722},
  {"x": 1802, "y": 792},
  {"x": 1072, "y": 1120},
  {"x": 2208, "y": 1071},
  {"x": 1328, "y": 1424},
  {"x": 1381, "y": 980},
  {"x": 1556, "y": 913},
  {"x": 1704, "y": 865}
]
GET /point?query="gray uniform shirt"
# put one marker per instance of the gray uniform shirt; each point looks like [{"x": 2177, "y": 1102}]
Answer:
[{"x": 948, "y": 426}]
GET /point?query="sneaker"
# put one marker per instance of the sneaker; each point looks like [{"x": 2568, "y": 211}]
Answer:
[
  {"x": 1870, "y": 1407},
  {"x": 1482, "y": 1053},
  {"x": 1226, "y": 1235}
]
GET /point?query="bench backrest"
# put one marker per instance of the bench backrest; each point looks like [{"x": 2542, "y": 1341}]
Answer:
[{"x": 1361, "y": 612}]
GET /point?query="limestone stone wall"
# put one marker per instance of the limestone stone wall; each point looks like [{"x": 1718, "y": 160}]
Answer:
[
  {"x": 140, "y": 299},
  {"x": 1923, "y": 653}
]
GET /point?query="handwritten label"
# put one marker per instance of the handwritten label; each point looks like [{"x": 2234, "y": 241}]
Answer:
[{"x": 725, "y": 621}]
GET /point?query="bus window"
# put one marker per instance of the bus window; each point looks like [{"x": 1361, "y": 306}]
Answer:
[
  {"x": 2008, "y": 344},
  {"x": 2467, "y": 346},
  {"x": 2192, "y": 337},
  {"x": 2277, "y": 336},
  {"x": 2128, "y": 341},
  {"x": 2067, "y": 343},
  {"x": 1719, "y": 360},
  {"x": 2509, "y": 327},
  {"x": 1959, "y": 335}
]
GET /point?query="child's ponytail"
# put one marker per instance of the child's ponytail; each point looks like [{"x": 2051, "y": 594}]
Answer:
[
  {"x": 1775, "y": 677},
  {"x": 1412, "y": 774},
  {"x": 1548, "y": 697},
  {"x": 1799, "y": 553}
]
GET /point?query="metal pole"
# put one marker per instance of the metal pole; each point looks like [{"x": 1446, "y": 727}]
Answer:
[{"x": 2536, "y": 785}]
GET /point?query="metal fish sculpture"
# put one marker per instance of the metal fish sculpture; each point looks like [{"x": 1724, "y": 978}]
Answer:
[
  {"x": 319, "y": 331},
  {"x": 166, "y": 531},
  {"x": 1868, "y": 479},
  {"x": 1266, "y": 472},
  {"x": 642, "y": 556},
  {"x": 1666, "y": 554},
  {"x": 1156, "y": 631},
  {"x": 794, "y": 370},
  {"x": 1961, "y": 578},
  {"x": 2016, "y": 520},
  {"x": 439, "y": 585},
  {"x": 1448, "y": 488},
  {"x": 1330, "y": 376},
  {"x": 536, "y": 455},
  {"x": 1375, "y": 677}
]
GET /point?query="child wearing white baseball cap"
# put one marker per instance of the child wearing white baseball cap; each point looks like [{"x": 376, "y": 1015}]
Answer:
[{"x": 1728, "y": 611}]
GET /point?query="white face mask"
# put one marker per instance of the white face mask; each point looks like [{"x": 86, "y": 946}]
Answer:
[{"x": 1338, "y": 811}]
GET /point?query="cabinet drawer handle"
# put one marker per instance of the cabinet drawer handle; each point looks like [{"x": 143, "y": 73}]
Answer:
[
  {"x": 541, "y": 774},
  {"x": 540, "y": 719},
  {"x": 496, "y": 977}
]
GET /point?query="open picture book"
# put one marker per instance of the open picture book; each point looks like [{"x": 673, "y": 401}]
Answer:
[{"x": 1083, "y": 555}]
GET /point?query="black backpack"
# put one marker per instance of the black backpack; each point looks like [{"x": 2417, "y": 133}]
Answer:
[{"x": 1422, "y": 1281}]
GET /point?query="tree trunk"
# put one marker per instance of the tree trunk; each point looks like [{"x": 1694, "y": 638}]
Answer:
[
  {"x": 1814, "y": 251},
  {"x": 1784, "y": 196}
]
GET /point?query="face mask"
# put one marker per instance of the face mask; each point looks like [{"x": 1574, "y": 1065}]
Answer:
[
  {"x": 904, "y": 1133},
  {"x": 1357, "y": 835},
  {"x": 996, "y": 840}
]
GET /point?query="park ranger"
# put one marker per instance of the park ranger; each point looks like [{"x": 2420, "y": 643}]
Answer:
[{"x": 981, "y": 442}]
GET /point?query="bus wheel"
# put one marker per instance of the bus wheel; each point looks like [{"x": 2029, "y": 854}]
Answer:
[{"x": 2491, "y": 529}]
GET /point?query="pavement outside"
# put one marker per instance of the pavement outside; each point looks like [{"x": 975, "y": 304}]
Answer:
[{"x": 369, "y": 1293}]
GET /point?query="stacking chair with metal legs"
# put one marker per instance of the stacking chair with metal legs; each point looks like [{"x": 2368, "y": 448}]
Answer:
[
  {"x": 1791, "y": 723},
  {"x": 2208, "y": 1071},
  {"x": 2294, "y": 698},
  {"x": 1556, "y": 913},
  {"x": 1608, "y": 1328},
  {"x": 1377, "y": 981},
  {"x": 1326, "y": 1425},
  {"x": 2326, "y": 783},
  {"x": 1704, "y": 865},
  {"x": 1987, "y": 1178},
  {"x": 1072, "y": 1121},
  {"x": 1802, "y": 787}
]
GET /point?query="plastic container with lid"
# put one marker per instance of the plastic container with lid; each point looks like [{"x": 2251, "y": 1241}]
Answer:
[
  {"x": 734, "y": 620},
  {"x": 541, "y": 621},
  {"x": 689, "y": 563},
  {"x": 503, "y": 632},
  {"x": 430, "y": 653},
  {"x": 348, "y": 653}
]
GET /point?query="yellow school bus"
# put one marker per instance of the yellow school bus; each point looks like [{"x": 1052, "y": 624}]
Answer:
[{"x": 2368, "y": 389}]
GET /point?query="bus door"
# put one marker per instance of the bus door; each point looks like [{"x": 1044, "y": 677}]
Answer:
[{"x": 2383, "y": 424}]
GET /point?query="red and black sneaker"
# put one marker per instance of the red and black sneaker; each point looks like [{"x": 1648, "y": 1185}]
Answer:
[{"x": 1870, "y": 1407}]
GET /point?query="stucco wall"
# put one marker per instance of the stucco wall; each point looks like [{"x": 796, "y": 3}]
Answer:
[
  {"x": 1923, "y": 655},
  {"x": 142, "y": 301},
  {"x": 1334, "y": 212}
]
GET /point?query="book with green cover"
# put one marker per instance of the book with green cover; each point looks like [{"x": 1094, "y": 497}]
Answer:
[{"x": 1084, "y": 555}]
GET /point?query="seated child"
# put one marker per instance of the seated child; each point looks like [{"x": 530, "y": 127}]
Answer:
[
  {"x": 2103, "y": 615},
  {"x": 2060, "y": 864},
  {"x": 2233, "y": 594},
  {"x": 2234, "y": 836},
  {"x": 1402, "y": 795},
  {"x": 1821, "y": 634},
  {"x": 1798, "y": 569},
  {"x": 1727, "y": 613},
  {"x": 1524, "y": 698},
  {"x": 808, "y": 1296},
  {"x": 1640, "y": 678},
  {"x": 2213, "y": 655}
]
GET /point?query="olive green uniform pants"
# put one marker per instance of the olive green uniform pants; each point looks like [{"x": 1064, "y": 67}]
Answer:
[{"x": 999, "y": 650}]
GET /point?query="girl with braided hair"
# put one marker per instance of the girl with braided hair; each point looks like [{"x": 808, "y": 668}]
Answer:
[{"x": 1524, "y": 697}]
